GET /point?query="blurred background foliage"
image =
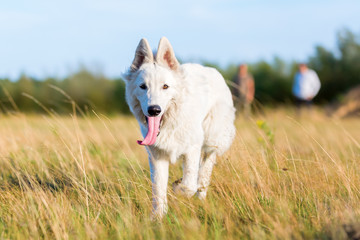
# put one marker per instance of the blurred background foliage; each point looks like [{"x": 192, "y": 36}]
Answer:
[{"x": 338, "y": 70}]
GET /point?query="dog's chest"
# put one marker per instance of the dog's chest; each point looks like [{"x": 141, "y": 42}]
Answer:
[
  {"x": 171, "y": 138},
  {"x": 174, "y": 141}
]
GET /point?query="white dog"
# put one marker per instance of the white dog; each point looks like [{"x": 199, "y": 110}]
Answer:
[{"x": 184, "y": 111}]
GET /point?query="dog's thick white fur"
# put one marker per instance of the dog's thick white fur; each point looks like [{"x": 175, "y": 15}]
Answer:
[{"x": 196, "y": 115}]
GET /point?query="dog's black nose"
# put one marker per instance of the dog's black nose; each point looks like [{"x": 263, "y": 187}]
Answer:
[{"x": 154, "y": 110}]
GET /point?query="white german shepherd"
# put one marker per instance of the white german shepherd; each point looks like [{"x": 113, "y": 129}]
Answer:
[{"x": 184, "y": 111}]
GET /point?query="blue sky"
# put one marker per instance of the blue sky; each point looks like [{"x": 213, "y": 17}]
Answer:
[{"x": 53, "y": 38}]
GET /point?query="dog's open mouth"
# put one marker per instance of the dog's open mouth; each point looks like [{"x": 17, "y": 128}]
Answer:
[{"x": 153, "y": 124}]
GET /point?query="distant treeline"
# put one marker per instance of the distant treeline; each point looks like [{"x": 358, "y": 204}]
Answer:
[
  {"x": 88, "y": 90},
  {"x": 338, "y": 70}
]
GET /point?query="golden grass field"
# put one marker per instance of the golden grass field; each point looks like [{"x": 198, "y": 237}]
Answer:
[{"x": 86, "y": 178}]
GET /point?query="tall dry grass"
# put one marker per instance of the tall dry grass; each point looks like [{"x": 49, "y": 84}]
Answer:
[{"x": 86, "y": 178}]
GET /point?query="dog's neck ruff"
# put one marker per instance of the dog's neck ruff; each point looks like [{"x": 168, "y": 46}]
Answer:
[{"x": 153, "y": 131}]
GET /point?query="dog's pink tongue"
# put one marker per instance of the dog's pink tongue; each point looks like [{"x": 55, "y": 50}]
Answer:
[{"x": 153, "y": 130}]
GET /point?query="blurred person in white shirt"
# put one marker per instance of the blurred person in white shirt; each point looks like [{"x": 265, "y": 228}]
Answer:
[{"x": 306, "y": 86}]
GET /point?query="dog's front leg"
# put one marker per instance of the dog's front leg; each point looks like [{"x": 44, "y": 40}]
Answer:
[
  {"x": 159, "y": 171},
  {"x": 188, "y": 184},
  {"x": 205, "y": 170}
]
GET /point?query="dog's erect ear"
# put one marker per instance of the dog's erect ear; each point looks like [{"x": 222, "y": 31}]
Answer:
[
  {"x": 143, "y": 55},
  {"x": 165, "y": 54}
]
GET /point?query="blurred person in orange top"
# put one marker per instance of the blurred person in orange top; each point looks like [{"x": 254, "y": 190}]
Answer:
[{"x": 245, "y": 90}]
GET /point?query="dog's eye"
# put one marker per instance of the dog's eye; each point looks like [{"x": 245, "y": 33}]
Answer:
[
  {"x": 143, "y": 86},
  {"x": 165, "y": 86}
]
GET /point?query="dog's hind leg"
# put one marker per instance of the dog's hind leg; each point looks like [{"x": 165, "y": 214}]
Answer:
[
  {"x": 205, "y": 171},
  {"x": 159, "y": 171},
  {"x": 188, "y": 184}
]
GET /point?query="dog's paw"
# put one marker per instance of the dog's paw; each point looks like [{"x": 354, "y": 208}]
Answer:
[
  {"x": 156, "y": 216},
  {"x": 182, "y": 189},
  {"x": 177, "y": 182},
  {"x": 201, "y": 193},
  {"x": 176, "y": 186},
  {"x": 158, "y": 213}
]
